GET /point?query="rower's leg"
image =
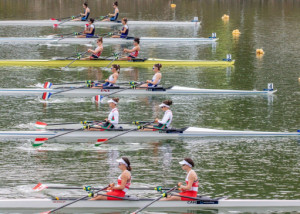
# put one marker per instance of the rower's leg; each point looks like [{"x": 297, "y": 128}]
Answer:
[
  {"x": 99, "y": 197},
  {"x": 171, "y": 198}
]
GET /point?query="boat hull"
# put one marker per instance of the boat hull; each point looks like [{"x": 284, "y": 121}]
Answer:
[
  {"x": 164, "y": 205},
  {"x": 68, "y": 40},
  {"x": 123, "y": 63},
  {"x": 83, "y": 92},
  {"x": 96, "y": 23},
  {"x": 189, "y": 132}
]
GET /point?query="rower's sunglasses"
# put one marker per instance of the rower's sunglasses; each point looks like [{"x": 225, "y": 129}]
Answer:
[{"x": 153, "y": 68}]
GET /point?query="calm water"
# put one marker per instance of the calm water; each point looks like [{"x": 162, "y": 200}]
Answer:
[{"x": 263, "y": 168}]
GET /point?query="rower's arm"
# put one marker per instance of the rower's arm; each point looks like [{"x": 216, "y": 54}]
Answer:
[
  {"x": 97, "y": 50},
  {"x": 90, "y": 30},
  {"x": 165, "y": 119},
  {"x": 114, "y": 80},
  {"x": 130, "y": 50},
  {"x": 191, "y": 179},
  {"x": 125, "y": 178},
  {"x": 124, "y": 30},
  {"x": 158, "y": 77}
]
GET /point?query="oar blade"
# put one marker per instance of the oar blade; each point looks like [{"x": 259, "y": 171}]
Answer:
[
  {"x": 39, "y": 141},
  {"x": 47, "y": 85},
  {"x": 99, "y": 141},
  {"x": 47, "y": 212},
  {"x": 46, "y": 95},
  {"x": 98, "y": 98},
  {"x": 40, "y": 187},
  {"x": 53, "y": 19},
  {"x": 40, "y": 125}
]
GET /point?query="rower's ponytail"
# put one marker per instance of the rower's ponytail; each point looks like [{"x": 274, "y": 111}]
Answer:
[
  {"x": 116, "y": 99},
  {"x": 100, "y": 40},
  {"x": 128, "y": 163},
  {"x": 116, "y": 3},
  {"x": 158, "y": 66},
  {"x": 117, "y": 67},
  {"x": 168, "y": 102}
]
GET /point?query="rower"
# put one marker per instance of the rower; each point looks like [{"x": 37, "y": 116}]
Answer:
[
  {"x": 112, "y": 79},
  {"x": 125, "y": 30},
  {"x": 113, "y": 16},
  {"x": 97, "y": 52},
  {"x": 85, "y": 15},
  {"x": 156, "y": 77},
  {"x": 124, "y": 181},
  {"x": 134, "y": 52},
  {"x": 89, "y": 30},
  {"x": 191, "y": 180},
  {"x": 113, "y": 118}
]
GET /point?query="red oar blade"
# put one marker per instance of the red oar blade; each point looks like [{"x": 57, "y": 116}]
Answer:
[
  {"x": 99, "y": 141},
  {"x": 46, "y": 95},
  {"x": 53, "y": 19},
  {"x": 40, "y": 187},
  {"x": 47, "y": 212},
  {"x": 40, "y": 125},
  {"x": 39, "y": 141}
]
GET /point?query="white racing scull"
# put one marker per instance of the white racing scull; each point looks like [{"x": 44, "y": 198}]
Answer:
[
  {"x": 73, "y": 40},
  {"x": 134, "y": 202},
  {"x": 190, "y": 132},
  {"x": 83, "y": 92},
  {"x": 98, "y": 23}
]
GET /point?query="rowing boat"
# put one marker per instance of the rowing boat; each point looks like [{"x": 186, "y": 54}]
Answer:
[
  {"x": 83, "y": 92},
  {"x": 97, "y": 23},
  {"x": 134, "y": 202},
  {"x": 166, "y": 134},
  {"x": 73, "y": 40},
  {"x": 124, "y": 63}
]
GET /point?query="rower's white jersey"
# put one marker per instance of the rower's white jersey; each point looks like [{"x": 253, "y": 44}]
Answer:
[
  {"x": 194, "y": 187},
  {"x": 113, "y": 117},
  {"x": 154, "y": 79},
  {"x": 111, "y": 78},
  {"x": 167, "y": 119}
]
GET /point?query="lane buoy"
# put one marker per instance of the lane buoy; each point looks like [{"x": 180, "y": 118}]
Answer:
[
  {"x": 236, "y": 32},
  {"x": 173, "y": 5},
  {"x": 260, "y": 51},
  {"x": 225, "y": 17}
]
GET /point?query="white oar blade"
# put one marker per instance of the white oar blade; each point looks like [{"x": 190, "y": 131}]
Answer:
[
  {"x": 40, "y": 125},
  {"x": 47, "y": 85},
  {"x": 40, "y": 187},
  {"x": 46, "y": 95}
]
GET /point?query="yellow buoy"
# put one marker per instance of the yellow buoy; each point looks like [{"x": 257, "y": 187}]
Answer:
[
  {"x": 260, "y": 51},
  {"x": 173, "y": 5},
  {"x": 236, "y": 32},
  {"x": 225, "y": 17}
]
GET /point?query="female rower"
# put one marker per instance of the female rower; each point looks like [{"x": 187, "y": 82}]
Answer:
[
  {"x": 191, "y": 180},
  {"x": 124, "y": 31},
  {"x": 85, "y": 15},
  {"x": 113, "y": 118},
  {"x": 112, "y": 79},
  {"x": 134, "y": 52},
  {"x": 97, "y": 52},
  {"x": 113, "y": 16},
  {"x": 124, "y": 181},
  {"x": 155, "y": 79},
  {"x": 89, "y": 30}
]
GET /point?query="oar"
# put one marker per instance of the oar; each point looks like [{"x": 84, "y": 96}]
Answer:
[
  {"x": 99, "y": 141},
  {"x": 47, "y": 95},
  {"x": 157, "y": 199},
  {"x": 82, "y": 198},
  {"x": 116, "y": 55},
  {"x": 75, "y": 60},
  {"x": 69, "y": 17},
  {"x": 102, "y": 17},
  {"x": 100, "y": 97},
  {"x": 40, "y": 187},
  {"x": 40, "y": 141}
]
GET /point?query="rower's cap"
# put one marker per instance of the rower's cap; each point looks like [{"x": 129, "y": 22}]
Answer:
[
  {"x": 164, "y": 105},
  {"x": 112, "y": 101},
  {"x": 184, "y": 162},
  {"x": 122, "y": 162}
]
